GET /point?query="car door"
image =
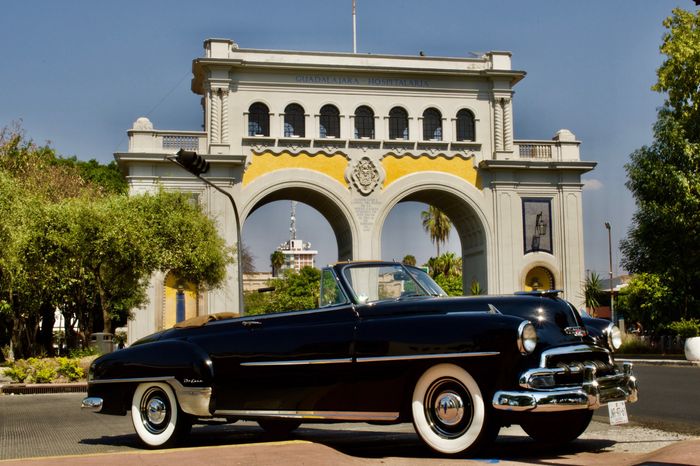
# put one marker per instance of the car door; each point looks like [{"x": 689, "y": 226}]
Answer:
[{"x": 294, "y": 361}]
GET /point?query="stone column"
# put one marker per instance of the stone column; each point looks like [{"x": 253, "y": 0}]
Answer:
[
  {"x": 507, "y": 124},
  {"x": 498, "y": 125},
  {"x": 214, "y": 116}
]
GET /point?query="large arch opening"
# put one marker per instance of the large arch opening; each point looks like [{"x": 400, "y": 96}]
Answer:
[
  {"x": 470, "y": 242},
  {"x": 319, "y": 220}
]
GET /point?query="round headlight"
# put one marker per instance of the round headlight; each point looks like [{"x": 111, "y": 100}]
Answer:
[
  {"x": 527, "y": 337},
  {"x": 614, "y": 337}
]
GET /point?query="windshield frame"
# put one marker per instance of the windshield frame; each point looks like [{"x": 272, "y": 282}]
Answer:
[{"x": 418, "y": 291}]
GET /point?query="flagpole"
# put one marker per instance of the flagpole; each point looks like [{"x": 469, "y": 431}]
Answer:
[{"x": 354, "y": 28}]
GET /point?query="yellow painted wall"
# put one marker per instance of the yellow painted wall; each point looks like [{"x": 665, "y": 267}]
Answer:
[
  {"x": 170, "y": 312},
  {"x": 332, "y": 165},
  {"x": 400, "y": 166},
  {"x": 543, "y": 276}
]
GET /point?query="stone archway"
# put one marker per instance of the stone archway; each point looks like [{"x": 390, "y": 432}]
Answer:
[
  {"x": 462, "y": 206},
  {"x": 314, "y": 190}
]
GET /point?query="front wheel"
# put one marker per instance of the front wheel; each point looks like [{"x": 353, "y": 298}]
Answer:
[
  {"x": 157, "y": 418},
  {"x": 557, "y": 428},
  {"x": 448, "y": 408}
]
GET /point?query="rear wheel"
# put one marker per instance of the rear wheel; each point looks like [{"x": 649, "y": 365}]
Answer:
[
  {"x": 158, "y": 420},
  {"x": 279, "y": 427},
  {"x": 449, "y": 413},
  {"x": 558, "y": 428}
]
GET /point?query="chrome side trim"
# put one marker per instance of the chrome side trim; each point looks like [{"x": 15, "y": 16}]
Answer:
[
  {"x": 193, "y": 400},
  {"x": 334, "y": 415},
  {"x": 92, "y": 403},
  {"x": 574, "y": 349},
  {"x": 300, "y": 362},
  {"x": 415, "y": 357}
]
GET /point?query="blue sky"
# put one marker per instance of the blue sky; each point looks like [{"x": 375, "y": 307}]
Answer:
[{"x": 78, "y": 73}]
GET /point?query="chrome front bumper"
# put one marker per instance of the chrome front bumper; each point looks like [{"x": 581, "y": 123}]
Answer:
[{"x": 591, "y": 394}]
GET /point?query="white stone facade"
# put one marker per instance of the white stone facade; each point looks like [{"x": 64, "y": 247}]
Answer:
[{"x": 484, "y": 179}]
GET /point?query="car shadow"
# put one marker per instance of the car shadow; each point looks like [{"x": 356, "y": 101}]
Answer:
[{"x": 367, "y": 442}]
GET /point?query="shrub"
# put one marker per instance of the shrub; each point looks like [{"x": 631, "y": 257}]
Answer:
[
  {"x": 78, "y": 353},
  {"x": 632, "y": 344},
  {"x": 18, "y": 371},
  {"x": 43, "y": 371},
  {"x": 686, "y": 328},
  {"x": 70, "y": 369}
]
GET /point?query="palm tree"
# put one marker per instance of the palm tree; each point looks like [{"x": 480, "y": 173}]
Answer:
[
  {"x": 592, "y": 290},
  {"x": 437, "y": 224},
  {"x": 276, "y": 261},
  {"x": 409, "y": 259}
]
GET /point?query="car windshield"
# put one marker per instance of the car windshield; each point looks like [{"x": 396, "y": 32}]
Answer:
[
  {"x": 426, "y": 281},
  {"x": 381, "y": 282}
]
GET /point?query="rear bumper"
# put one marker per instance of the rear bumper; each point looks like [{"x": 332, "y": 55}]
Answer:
[
  {"x": 591, "y": 394},
  {"x": 92, "y": 403}
]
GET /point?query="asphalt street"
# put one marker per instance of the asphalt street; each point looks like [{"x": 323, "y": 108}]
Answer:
[{"x": 53, "y": 425}]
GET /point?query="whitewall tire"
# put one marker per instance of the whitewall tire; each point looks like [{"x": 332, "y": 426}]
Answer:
[
  {"x": 448, "y": 409},
  {"x": 157, "y": 418}
]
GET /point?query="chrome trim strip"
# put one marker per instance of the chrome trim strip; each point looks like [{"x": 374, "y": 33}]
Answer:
[
  {"x": 335, "y": 415},
  {"x": 193, "y": 400},
  {"x": 300, "y": 362},
  {"x": 416, "y": 357}
]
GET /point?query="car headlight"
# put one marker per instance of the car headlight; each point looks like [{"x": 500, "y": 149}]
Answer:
[
  {"x": 527, "y": 337},
  {"x": 614, "y": 336}
]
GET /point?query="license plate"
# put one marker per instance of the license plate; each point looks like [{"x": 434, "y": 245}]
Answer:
[{"x": 617, "y": 412}]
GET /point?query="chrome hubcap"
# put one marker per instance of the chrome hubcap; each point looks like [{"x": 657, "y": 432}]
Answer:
[
  {"x": 156, "y": 411},
  {"x": 449, "y": 408}
]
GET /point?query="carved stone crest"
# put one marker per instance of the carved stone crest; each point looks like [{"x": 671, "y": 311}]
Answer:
[{"x": 365, "y": 176}]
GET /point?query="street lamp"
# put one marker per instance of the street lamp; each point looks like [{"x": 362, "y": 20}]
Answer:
[
  {"x": 612, "y": 300},
  {"x": 196, "y": 165}
]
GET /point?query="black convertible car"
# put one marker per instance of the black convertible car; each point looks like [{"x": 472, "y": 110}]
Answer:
[{"x": 384, "y": 346}]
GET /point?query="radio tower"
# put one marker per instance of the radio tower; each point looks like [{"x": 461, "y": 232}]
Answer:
[{"x": 297, "y": 253}]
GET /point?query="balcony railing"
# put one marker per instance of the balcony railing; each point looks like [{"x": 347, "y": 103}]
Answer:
[
  {"x": 166, "y": 142},
  {"x": 535, "y": 151}
]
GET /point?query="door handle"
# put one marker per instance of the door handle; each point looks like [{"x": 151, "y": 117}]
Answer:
[{"x": 251, "y": 323}]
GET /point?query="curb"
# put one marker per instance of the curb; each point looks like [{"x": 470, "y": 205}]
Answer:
[
  {"x": 41, "y": 388},
  {"x": 659, "y": 362}
]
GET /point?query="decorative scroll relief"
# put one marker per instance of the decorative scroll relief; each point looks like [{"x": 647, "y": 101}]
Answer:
[{"x": 365, "y": 176}]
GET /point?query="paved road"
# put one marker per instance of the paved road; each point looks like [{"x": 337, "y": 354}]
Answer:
[
  {"x": 53, "y": 425},
  {"x": 668, "y": 398}
]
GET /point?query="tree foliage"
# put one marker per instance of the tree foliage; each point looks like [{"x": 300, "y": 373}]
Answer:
[
  {"x": 664, "y": 178},
  {"x": 592, "y": 291},
  {"x": 437, "y": 224},
  {"x": 74, "y": 245},
  {"x": 294, "y": 291},
  {"x": 647, "y": 299}
]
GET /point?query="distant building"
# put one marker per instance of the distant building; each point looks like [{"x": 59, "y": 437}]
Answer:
[{"x": 297, "y": 253}]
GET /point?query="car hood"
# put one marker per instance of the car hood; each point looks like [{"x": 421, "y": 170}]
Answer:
[{"x": 556, "y": 322}]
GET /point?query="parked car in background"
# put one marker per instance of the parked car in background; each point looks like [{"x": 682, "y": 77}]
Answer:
[{"x": 384, "y": 346}]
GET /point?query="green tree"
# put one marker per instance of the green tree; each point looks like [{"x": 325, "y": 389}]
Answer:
[
  {"x": 409, "y": 260},
  {"x": 647, "y": 299},
  {"x": 664, "y": 178},
  {"x": 276, "y": 262},
  {"x": 592, "y": 291},
  {"x": 437, "y": 224},
  {"x": 294, "y": 291}
]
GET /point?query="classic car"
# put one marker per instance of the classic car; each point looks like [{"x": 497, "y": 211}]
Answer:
[{"x": 384, "y": 346}]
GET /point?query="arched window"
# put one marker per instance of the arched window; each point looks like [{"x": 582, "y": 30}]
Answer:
[
  {"x": 294, "y": 121},
  {"x": 432, "y": 125},
  {"x": 330, "y": 122},
  {"x": 258, "y": 120},
  {"x": 398, "y": 123},
  {"x": 465, "y": 126},
  {"x": 364, "y": 122}
]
